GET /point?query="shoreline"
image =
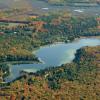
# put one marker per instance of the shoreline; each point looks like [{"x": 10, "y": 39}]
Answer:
[
  {"x": 82, "y": 37},
  {"x": 20, "y": 62},
  {"x": 32, "y": 62}
]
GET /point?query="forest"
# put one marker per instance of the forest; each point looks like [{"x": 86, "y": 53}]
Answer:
[
  {"x": 41, "y": 31},
  {"x": 80, "y": 78},
  {"x": 28, "y": 25}
]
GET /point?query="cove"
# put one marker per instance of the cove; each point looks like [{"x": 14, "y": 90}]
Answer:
[{"x": 52, "y": 55}]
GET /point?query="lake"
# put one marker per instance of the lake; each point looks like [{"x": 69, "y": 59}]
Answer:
[{"x": 53, "y": 55}]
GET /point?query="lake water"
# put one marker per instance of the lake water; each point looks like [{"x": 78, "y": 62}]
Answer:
[{"x": 53, "y": 55}]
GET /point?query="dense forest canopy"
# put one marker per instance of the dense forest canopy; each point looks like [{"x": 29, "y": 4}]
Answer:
[
  {"x": 22, "y": 31},
  {"x": 43, "y": 30},
  {"x": 78, "y": 80}
]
